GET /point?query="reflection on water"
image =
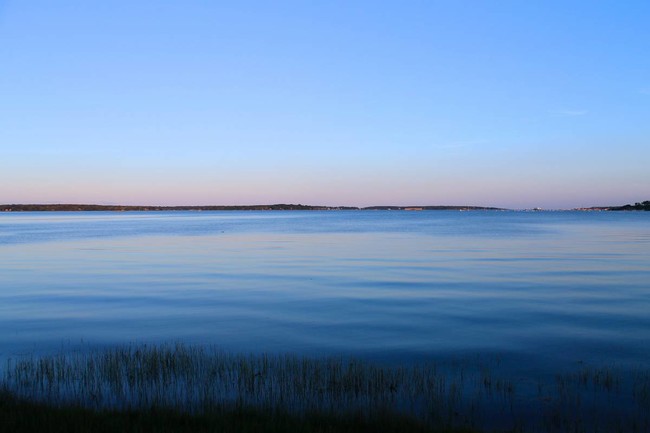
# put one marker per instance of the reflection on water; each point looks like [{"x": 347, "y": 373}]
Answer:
[{"x": 547, "y": 288}]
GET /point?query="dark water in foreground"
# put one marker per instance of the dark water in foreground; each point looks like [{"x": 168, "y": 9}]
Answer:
[{"x": 537, "y": 290}]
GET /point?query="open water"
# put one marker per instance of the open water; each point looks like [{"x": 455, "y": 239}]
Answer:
[{"x": 537, "y": 289}]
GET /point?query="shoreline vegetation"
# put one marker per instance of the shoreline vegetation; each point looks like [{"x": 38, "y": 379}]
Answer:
[
  {"x": 639, "y": 206},
  {"x": 120, "y": 208},
  {"x": 175, "y": 387}
]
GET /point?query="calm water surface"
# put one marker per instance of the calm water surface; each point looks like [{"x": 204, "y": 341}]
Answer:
[{"x": 538, "y": 289}]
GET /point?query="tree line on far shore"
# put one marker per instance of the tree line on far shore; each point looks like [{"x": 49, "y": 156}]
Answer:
[
  {"x": 645, "y": 205},
  {"x": 121, "y": 208}
]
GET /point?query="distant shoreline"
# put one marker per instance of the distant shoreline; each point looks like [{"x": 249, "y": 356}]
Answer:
[
  {"x": 120, "y": 208},
  {"x": 66, "y": 207}
]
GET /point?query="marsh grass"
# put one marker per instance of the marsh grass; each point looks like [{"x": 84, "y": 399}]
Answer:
[{"x": 204, "y": 383}]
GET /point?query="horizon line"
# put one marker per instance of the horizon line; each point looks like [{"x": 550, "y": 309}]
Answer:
[{"x": 8, "y": 207}]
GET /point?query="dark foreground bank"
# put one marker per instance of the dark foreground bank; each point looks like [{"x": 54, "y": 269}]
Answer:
[
  {"x": 180, "y": 388},
  {"x": 25, "y": 417}
]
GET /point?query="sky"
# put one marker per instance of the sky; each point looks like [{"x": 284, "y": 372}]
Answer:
[{"x": 503, "y": 103}]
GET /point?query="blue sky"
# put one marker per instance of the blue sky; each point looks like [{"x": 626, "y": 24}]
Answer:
[{"x": 505, "y": 103}]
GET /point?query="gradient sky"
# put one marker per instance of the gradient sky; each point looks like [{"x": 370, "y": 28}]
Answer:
[{"x": 504, "y": 103}]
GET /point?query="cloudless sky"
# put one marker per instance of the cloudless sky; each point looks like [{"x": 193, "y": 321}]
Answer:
[{"x": 503, "y": 103}]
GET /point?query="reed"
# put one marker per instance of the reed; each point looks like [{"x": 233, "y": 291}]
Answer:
[{"x": 206, "y": 382}]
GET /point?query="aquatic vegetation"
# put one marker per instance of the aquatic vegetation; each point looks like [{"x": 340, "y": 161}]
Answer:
[{"x": 197, "y": 381}]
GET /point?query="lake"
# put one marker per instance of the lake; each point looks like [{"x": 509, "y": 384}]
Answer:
[{"x": 539, "y": 290}]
